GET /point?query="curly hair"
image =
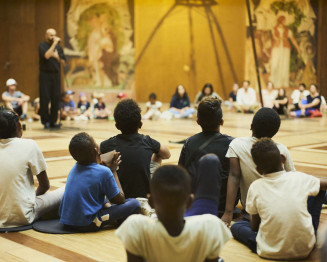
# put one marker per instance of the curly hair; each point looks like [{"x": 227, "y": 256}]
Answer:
[
  {"x": 266, "y": 155},
  {"x": 209, "y": 114},
  {"x": 81, "y": 147},
  {"x": 265, "y": 123},
  {"x": 127, "y": 115},
  {"x": 8, "y": 123}
]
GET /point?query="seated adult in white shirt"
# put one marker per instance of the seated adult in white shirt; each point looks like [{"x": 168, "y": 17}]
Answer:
[
  {"x": 246, "y": 99},
  {"x": 21, "y": 160}
]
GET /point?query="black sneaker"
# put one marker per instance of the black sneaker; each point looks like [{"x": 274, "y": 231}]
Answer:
[
  {"x": 47, "y": 125},
  {"x": 55, "y": 126}
]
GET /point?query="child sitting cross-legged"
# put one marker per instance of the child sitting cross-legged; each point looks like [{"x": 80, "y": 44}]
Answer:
[
  {"x": 84, "y": 206},
  {"x": 172, "y": 237},
  {"x": 282, "y": 224}
]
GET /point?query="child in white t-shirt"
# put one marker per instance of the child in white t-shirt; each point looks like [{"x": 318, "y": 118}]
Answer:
[
  {"x": 153, "y": 108},
  {"x": 282, "y": 225},
  {"x": 172, "y": 237},
  {"x": 265, "y": 123}
]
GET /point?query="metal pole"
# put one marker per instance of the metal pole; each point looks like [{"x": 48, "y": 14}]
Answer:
[{"x": 254, "y": 50}]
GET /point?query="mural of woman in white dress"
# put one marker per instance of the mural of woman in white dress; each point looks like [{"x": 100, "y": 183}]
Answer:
[{"x": 281, "y": 53}]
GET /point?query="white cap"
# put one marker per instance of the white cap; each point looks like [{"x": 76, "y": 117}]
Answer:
[{"x": 11, "y": 82}]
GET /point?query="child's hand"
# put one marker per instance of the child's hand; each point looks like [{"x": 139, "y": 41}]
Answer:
[{"x": 114, "y": 163}]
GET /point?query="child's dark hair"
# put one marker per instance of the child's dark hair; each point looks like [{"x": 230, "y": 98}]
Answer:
[
  {"x": 153, "y": 96},
  {"x": 265, "y": 123},
  {"x": 81, "y": 147},
  {"x": 266, "y": 155},
  {"x": 303, "y": 84},
  {"x": 209, "y": 114},
  {"x": 8, "y": 123},
  {"x": 127, "y": 115},
  {"x": 171, "y": 180}
]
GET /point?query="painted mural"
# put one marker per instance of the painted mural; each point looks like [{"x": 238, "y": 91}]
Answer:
[
  {"x": 285, "y": 37},
  {"x": 99, "y": 44}
]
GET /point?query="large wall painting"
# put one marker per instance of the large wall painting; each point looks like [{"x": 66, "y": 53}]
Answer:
[
  {"x": 99, "y": 44},
  {"x": 285, "y": 37}
]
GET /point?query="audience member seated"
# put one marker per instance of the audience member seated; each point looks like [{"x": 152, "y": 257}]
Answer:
[
  {"x": 277, "y": 202},
  {"x": 67, "y": 106},
  {"x": 209, "y": 141},
  {"x": 207, "y": 91},
  {"x": 15, "y": 100},
  {"x": 84, "y": 205},
  {"x": 84, "y": 109},
  {"x": 100, "y": 110},
  {"x": 269, "y": 95},
  {"x": 153, "y": 108},
  {"x": 180, "y": 104},
  {"x": 243, "y": 172},
  {"x": 140, "y": 154},
  {"x": 246, "y": 99},
  {"x": 309, "y": 106},
  {"x": 232, "y": 97},
  {"x": 281, "y": 102},
  {"x": 298, "y": 95},
  {"x": 21, "y": 161},
  {"x": 172, "y": 237}
]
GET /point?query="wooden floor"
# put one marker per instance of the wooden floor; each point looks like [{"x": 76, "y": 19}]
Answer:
[{"x": 305, "y": 138}]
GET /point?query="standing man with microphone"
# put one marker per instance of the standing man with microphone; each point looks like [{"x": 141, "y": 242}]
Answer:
[{"x": 51, "y": 57}]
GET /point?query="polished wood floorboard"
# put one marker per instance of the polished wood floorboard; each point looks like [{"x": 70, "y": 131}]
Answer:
[{"x": 305, "y": 138}]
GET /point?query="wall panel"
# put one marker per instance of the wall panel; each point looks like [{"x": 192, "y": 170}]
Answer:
[{"x": 171, "y": 58}]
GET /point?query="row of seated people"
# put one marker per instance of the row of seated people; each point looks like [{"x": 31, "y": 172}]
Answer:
[
  {"x": 18, "y": 101},
  {"x": 244, "y": 99},
  {"x": 304, "y": 102},
  {"x": 188, "y": 199},
  {"x": 84, "y": 109}
]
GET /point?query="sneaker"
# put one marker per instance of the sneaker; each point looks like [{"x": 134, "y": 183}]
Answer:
[
  {"x": 23, "y": 117},
  {"x": 55, "y": 126},
  {"x": 47, "y": 125}
]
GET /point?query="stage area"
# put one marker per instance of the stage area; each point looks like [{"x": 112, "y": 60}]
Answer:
[{"x": 305, "y": 138}]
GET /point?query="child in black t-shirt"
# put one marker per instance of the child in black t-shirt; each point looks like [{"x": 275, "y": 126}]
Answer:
[{"x": 140, "y": 153}]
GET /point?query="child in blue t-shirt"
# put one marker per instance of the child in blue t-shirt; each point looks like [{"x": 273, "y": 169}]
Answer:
[{"x": 84, "y": 205}]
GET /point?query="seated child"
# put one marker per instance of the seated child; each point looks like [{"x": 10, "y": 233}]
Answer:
[
  {"x": 281, "y": 226},
  {"x": 172, "y": 237},
  {"x": 84, "y": 108},
  {"x": 209, "y": 141},
  {"x": 100, "y": 111},
  {"x": 67, "y": 106},
  {"x": 243, "y": 172},
  {"x": 140, "y": 153},
  {"x": 84, "y": 205},
  {"x": 152, "y": 108},
  {"x": 21, "y": 162}
]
